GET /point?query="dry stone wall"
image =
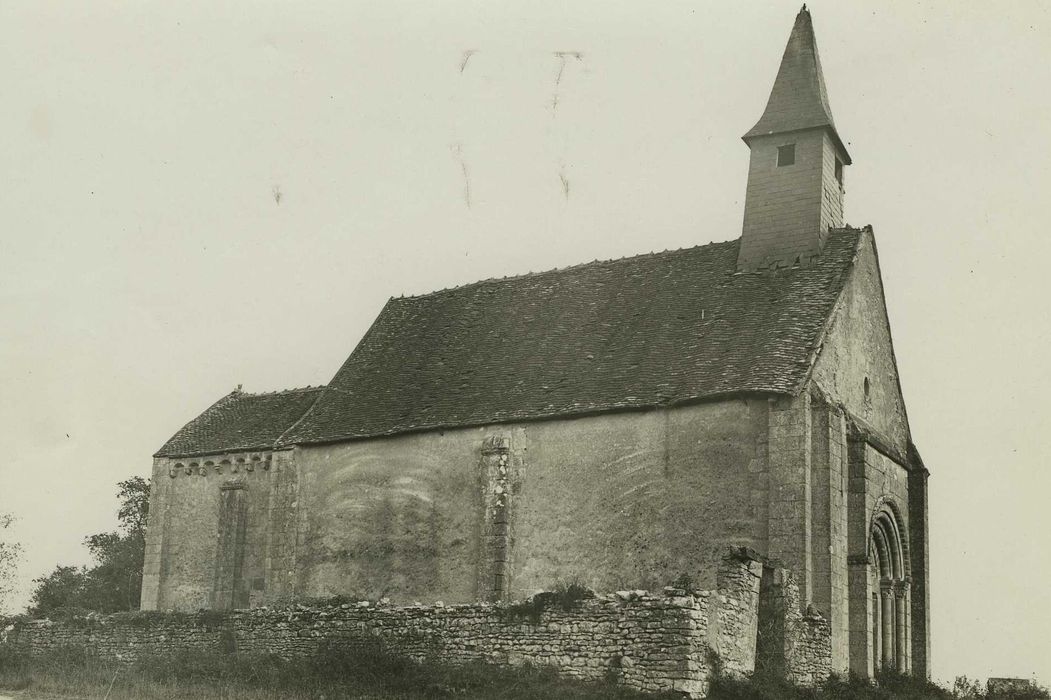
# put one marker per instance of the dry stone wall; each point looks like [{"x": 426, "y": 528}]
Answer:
[
  {"x": 791, "y": 643},
  {"x": 671, "y": 640}
]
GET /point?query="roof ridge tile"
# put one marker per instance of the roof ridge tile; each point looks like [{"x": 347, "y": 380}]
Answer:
[
  {"x": 565, "y": 268},
  {"x": 278, "y": 392}
]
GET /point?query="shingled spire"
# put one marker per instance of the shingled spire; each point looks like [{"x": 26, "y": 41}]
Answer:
[{"x": 795, "y": 178}]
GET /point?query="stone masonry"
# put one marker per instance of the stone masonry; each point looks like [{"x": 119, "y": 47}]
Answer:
[{"x": 665, "y": 641}]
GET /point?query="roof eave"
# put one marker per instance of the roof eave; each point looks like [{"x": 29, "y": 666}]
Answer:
[
  {"x": 561, "y": 415},
  {"x": 220, "y": 451},
  {"x": 753, "y": 135}
]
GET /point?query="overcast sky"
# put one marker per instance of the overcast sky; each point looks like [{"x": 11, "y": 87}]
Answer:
[{"x": 199, "y": 195}]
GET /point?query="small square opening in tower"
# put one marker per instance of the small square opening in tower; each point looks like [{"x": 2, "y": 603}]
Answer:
[
  {"x": 786, "y": 155},
  {"x": 839, "y": 172}
]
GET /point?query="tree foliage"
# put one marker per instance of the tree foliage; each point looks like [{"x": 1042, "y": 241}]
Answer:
[
  {"x": 10, "y": 555},
  {"x": 114, "y": 582}
]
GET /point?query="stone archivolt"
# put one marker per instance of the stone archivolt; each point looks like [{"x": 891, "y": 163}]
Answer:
[{"x": 889, "y": 567}]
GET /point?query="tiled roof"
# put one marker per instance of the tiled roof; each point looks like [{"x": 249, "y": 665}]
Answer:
[
  {"x": 638, "y": 332},
  {"x": 799, "y": 98},
  {"x": 240, "y": 421}
]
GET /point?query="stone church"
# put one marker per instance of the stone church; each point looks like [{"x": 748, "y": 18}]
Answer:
[{"x": 620, "y": 422}]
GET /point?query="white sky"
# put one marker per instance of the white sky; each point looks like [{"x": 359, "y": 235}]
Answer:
[{"x": 147, "y": 268}]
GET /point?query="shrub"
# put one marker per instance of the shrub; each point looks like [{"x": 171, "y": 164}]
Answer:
[
  {"x": 566, "y": 596},
  {"x": 14, "y": 668},
  {"x": 909, "y": 687},
  {"x": 685, "y": 582},
  {"x": 756, "y": 687},
  {"x": 529, "y": 609},
  {"x": 888, "y": 686}
]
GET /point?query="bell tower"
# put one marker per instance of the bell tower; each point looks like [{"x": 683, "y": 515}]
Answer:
[{"x": 795, "y": 174}]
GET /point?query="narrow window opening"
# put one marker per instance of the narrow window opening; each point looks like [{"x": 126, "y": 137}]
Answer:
[
  {"x": 786, "y": 155},
  {"x": 868, "y": 389},
  {"x": 839, "y": 172}
]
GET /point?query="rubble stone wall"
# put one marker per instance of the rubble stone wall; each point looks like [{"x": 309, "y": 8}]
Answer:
[
  {"x": 791, "y": 642},
  {"x": 670, "y": 640}
]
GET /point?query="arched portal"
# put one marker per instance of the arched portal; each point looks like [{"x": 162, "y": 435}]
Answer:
[{"x": 889, "y": 582}]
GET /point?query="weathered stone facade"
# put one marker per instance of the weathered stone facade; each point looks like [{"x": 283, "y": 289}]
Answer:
[
  {"x": 247, "y": 502},
  {"x": 666, "y": 641},
  {"x": 416, "y": 517},
  {"x": 492, "y": 513}
]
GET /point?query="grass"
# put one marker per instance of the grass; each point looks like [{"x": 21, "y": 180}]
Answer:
[
  {"x": 768, "y": 688},
  {"x": 74, "y": 673},
  {"x": 889, "y": 686},
  {"x": 330, "y": 675}
]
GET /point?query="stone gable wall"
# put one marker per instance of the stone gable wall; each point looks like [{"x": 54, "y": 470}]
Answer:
[
  {"x": 665, "y": 641},
  {"x": 856, "y": 367}
]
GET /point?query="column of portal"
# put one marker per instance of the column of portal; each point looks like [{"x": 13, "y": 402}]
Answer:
[
  {"x": 877, "y": 632},
  {"x": 901, "y": 591},
  {"x": 887, "y": 620}
]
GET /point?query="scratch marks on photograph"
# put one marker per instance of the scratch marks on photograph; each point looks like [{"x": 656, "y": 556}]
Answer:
[
  {"x": 457, "y": 151},
  {"x": 563, "y": 57},
  {"x": 466, "y": 57}
]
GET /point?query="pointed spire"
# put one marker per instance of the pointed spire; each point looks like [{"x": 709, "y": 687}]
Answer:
[{"x": 799, "y": 99}]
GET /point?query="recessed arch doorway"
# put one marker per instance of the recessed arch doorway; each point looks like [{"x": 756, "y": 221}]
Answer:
[{"x": 888, "y": 574}]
